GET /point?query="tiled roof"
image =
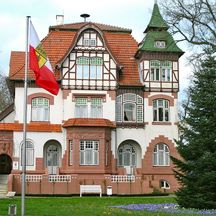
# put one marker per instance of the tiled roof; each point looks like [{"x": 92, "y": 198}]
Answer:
[
  {"x": 88, "y": 122},
  {"x": 124, "y": 47},
  {"x": 148, "y": 43},
  {"x": 77, "y": 26},
  {"x": 55, "y": 44},
  {"x": 32, "y": 127},
  {"x": 58, "y": 42}
]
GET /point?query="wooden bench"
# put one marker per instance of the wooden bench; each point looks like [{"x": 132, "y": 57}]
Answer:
[{"x": 91, "y": 189}]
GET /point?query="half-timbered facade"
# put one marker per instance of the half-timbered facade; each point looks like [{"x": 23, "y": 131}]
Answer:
[{"x": 114, "y": 120}]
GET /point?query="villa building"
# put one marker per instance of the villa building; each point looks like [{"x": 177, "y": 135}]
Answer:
[{"x": 113, "y": 122}]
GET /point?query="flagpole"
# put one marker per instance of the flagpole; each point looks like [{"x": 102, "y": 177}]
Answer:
[{"x": 25, "y": 120}]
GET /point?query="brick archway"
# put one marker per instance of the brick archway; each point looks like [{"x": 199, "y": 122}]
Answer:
[
  {"x": 147, "y": 163},
  {"x": 5, "y": 164}
]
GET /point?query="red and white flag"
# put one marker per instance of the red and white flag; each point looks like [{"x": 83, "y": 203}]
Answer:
[{"x": 39, "y": 63}]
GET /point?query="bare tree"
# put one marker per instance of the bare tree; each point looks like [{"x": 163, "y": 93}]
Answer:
[
  {"x": 193, "y": 20},
  {"x": 5, "y": 95}
]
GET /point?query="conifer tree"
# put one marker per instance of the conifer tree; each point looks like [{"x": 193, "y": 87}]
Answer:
[{"x": 196, "y": 170}]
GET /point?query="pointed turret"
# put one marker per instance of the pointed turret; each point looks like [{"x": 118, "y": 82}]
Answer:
[
  {"x": 157, "y": 38},
  {"x": 157, "y": 21}
]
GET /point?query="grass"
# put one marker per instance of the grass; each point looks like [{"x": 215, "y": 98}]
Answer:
[{"x": 84, "y": 206}]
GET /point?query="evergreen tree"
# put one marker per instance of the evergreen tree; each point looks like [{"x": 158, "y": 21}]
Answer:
[{"x": 196, "y": 170}]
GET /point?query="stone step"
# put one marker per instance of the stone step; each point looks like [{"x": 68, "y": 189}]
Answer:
[{"x": 3, "y": 185}]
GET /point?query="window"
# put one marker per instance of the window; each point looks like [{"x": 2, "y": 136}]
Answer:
[
  {"x": 89, "y": 152},
  {"x": 71, "y": 152},
  {"x": 160, "y": 44},
  {"x": 166, "y": 71},
  {"x": 88, "y": 108},
  {"x": 164, "y": 184},
  {"x": 161, "y": 110},
  {"x": 160, "y": 71},
  {"x": 155, "y": 70},
  {"x": 89, "y": 39},
  {"x": 161, "y": 155},
  {"x": 89, "y": 68},
  {"x": 127, "y": 156},
  {"x": 40, "y": 109},
  {"x": 129, "y": 108},
  {"x": 29, "y": 154}
]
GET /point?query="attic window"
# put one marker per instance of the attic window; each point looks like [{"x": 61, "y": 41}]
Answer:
[
  {"x": 160, "y": 44},
  {"x": 89, "y": 39}
]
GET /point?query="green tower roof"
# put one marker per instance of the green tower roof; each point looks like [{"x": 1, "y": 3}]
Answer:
[
  {"x": 157, "y": 20},
  {"x": 157, "y": 38},
  {"x": 149, "y": 42}
]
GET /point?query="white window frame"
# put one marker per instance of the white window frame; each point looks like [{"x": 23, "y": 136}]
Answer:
[
  {"x": 89, "y": 68},
  {"x": 160, "y": 71},
  {"x": 125, "y": 150},
  {"x": 137, "y": 111},
  {"x": 155, "y": 70},
  {"x": 161, "y": 110},
  {"x": 88, "y": 107},
  {"x": 160, "y": 44},
  {"x": 164, "y": 184},
  {"x": 40, "y": 109},
  {"x": 89, "y": 152},
  {"x": 161, "y": 155},
  {"x": 29, "y": 153}
]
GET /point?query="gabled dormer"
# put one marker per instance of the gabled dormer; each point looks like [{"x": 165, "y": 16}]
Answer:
[
  {"x": 89, "y": 64},
  {"x": 158, "y": 56}
]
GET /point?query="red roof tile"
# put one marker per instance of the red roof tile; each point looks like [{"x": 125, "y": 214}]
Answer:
[
  {"x": 88, "y": 122},
  {"x": 32, "y": 127},
  {"x": 60, "y": 39},
  {"x": 77, "y": 26}
]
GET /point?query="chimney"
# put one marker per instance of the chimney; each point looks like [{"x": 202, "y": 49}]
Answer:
[{"x": 59, "y": 19}]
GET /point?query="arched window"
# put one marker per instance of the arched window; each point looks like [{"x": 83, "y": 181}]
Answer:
[
  {"x": 127, "y": 156},
  {"x": 161, "y": 110},
  {"x": 164, "y": 184},
  {"x": 40, "y": 109},
  {"x": 29, "y": 153},
  {"x": 129, "y": 108},
  {"x": 161, "y": 155}
]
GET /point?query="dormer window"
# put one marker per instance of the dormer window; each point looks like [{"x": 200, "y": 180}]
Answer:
[
  {"x": 90, "y": 38},
  {"x": 160, "y": 44}
]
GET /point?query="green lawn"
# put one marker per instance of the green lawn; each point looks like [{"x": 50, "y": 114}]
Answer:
[{"x": 87, "y": 205}]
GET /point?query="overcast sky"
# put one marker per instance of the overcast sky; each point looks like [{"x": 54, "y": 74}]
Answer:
[{"x": 132, "y": 14}]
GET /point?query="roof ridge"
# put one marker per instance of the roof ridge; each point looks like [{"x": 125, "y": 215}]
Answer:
[{"x": 101, "y": 26}]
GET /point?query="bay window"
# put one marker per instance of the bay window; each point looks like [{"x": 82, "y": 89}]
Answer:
[
  {"x": 129, "y": 108},
  {"x": 89, "y": 152}
]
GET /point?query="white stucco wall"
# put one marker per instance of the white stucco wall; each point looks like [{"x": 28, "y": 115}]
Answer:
[
  {"x": 69, "y": 105},
  {"x": 56, "y": 114},
  {"x": 38, "y": 139}
]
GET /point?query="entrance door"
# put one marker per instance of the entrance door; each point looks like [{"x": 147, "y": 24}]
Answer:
[
  {"x": 52, "y": 158},
  {"x": 5, "y": 164}
]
